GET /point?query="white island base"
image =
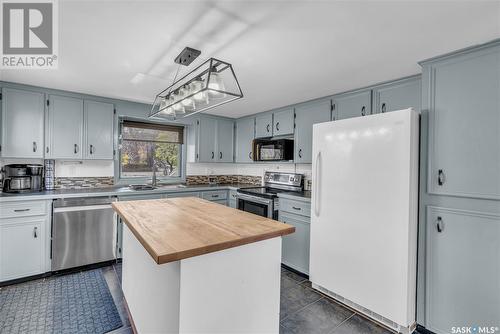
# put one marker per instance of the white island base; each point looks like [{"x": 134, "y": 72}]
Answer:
[{"x": 236, "y": 290}]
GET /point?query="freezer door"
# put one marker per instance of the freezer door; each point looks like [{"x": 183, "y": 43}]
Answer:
[
  {"x": 364, "y": 211},
  {"x": 82, "y": 235}
]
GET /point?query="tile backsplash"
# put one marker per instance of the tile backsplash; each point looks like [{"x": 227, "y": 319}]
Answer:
[
  {"x": 84, "y": 182},
  {"x": 204, "y": 179}
]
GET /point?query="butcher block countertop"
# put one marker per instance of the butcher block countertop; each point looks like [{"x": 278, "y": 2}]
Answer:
[{"x": 179, "y": 228}]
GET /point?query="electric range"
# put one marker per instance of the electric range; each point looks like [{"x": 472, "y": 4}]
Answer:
[{"x": 263, "y": 201}]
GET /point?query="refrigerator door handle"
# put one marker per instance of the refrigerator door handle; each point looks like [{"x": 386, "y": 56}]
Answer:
[{"x": 317, "y": 185}]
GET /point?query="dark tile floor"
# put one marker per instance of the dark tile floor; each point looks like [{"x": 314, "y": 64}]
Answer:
[{"x": 303, "y": 310}]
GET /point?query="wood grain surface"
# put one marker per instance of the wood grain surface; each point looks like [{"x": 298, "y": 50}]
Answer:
[{"x": 179, "y": 228}]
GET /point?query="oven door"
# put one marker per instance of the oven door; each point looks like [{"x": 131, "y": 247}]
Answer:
[{"x": 256, "y": 205}]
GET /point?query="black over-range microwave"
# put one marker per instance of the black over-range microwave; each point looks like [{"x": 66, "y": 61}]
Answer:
[{"x": 273, "y": 149}]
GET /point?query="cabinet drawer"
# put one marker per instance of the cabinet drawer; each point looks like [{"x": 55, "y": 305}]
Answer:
[
  {"x": 214, "y": 195},
  {"x": 23, "y": 209},
  {"x": 295, "y": 207}
]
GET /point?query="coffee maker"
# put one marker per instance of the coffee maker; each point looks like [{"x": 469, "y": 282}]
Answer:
[{"x": 19, "y": 178}]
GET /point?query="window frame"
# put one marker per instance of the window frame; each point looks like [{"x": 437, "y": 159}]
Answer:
[{"x": 121, "y": 180}]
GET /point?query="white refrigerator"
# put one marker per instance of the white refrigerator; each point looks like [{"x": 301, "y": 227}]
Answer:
[{"x": 364, "y": 214}]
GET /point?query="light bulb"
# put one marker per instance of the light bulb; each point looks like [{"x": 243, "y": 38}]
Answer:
[
  {"x": 215, "y": 83},
  {"x": 178, "y": 107},
  {"x": 196, "y": 87},
  {"x": 188, "y": 103}
]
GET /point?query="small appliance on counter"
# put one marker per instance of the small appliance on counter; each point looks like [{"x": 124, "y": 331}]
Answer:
[
  {"x": 20, "y": 178},
  {"x": 273, "y": 149},
  {"x": 263, "y": 201}
]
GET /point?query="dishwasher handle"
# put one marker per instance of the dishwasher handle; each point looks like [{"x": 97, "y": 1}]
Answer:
[{"x": 82, "y": 208}]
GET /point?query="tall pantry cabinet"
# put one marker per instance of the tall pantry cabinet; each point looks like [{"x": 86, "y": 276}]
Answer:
[{"x": 460, "y": 190}]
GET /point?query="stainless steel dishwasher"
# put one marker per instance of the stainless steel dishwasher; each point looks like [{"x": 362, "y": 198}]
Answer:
[{"x": 83, "y": 232}]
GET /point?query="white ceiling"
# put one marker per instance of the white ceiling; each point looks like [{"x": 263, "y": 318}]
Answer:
[{"x": 283, "y": 52}]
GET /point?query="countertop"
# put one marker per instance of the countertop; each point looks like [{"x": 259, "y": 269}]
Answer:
[
  {"x": 193, "y": 226},
  {"x": 121, "y": 190},
  {"x": 304, "y": 196}
]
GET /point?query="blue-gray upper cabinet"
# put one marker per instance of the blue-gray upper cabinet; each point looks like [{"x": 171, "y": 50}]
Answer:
[
  {"x": 305, "y": 116},
  {"x": 264, "y": 125},
  {"x": 245, "y": 134},
  {"x": 225, "y": 140},
  {"x": 463, "y": 266},
  {"x": 283, "y": 122},
  {"x": 64, "y": 128},
  {"x": 98, "y": 120},
  {"x": 461, "y": 94},
  {"x": 22, "y": 123},
  {"x": 207, "y": 134},
  {"x": 353, "y": 104},
  {"x": 402, "y": 94}
]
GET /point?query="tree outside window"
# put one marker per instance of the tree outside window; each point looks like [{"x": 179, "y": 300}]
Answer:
[{"x": 148, "y": 145}]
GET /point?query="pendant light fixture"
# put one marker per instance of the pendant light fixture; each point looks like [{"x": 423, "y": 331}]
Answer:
[{"x": 211, "y": 84}]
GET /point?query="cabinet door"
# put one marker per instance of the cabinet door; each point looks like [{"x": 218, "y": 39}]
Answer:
[
  {"x": 64, "y": 128},
  {"x": 464, "y": 125},
  {"x": 283, "y": 121},
  {"x": 22, "y": 248},
  {"x": 98, "y": 120},
  {"x": 398, "y": 96},
  {"x": 264, "y": 125},
  {"x": 207, "y": 131},
  {"x": 463, "y": 269},
  {"x": 225, "y": 140},
  {"x": 305, "y": 116},
  {"x": 245, "y": 134},
  {"x": 22, "y": 123},
  {"x": 295, "y": 246},
  {"x": 352, "y": 104}
]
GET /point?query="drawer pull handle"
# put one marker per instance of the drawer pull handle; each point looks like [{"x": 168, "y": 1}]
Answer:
[
  {"x": 277, "y": 126},
  {"x": 296, "y": 208},
  {"x": 267, "y": 128},
  {"x": 91, "y": 149},
  {"x": 215, "y": 196},
  {"x": 76, "y": 149},
  {"x": 213, "y": 155},
  {"x": 363, "y": 112},
  {"x": 300, "y": 153},
  {"x": 383, "y": 108},
  {"x": 220, "y": 155},
  {"x": 21, "y": 210},
  {"x": 35, "y": 232},
  {"x": 34, "y": 146}
]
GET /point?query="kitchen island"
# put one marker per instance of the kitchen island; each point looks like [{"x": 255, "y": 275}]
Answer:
[{"x": 192, "y": 266}]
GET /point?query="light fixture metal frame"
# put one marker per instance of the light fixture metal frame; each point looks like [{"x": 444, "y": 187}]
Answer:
[{"x": 213, "y": 63}]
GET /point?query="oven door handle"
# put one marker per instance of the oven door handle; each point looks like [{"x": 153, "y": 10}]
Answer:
[{"x": 254, "y": 199}]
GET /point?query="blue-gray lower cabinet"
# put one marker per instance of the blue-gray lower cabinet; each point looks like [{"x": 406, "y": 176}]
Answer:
[
  {"x": 306, "y": 115},
  {"x": 185, "y": 194},
  {"x": 402, "y": 94},
  {"x": 232, "y": 201},
  {"x": 353, "y": 104},
  {"x": 295, "y": 246},
  {"x": 463, "y": 269},
  {"x": 245, "y": 134}
]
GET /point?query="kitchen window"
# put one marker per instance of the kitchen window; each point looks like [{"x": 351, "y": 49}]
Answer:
[{"x": 144, "y": 146}]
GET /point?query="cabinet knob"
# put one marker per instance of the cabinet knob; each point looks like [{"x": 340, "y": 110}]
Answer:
[
  {"x": 34, "y": 146},
  {"x": 363, "y": 111},
  {"x": 441, "y": 177},
  {"x": 439, "y": 224},
  {"x": 267, "y": 128},
  {"x": 277, "y": 126},
  {"x": 383, "y": 107}
]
